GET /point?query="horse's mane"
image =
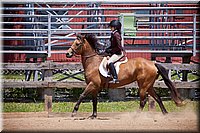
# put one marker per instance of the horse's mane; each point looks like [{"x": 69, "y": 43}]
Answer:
[{"x": 92, "y": 40}]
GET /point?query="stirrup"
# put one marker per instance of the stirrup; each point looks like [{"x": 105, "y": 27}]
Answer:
[{"x": 114, "y": 81}]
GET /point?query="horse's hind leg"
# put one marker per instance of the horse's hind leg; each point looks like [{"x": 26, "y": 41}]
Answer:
[
  {"x": 142, "y": 94},
  {"x": 152, "y": 92},
  {"x": 143, "y": 87}
]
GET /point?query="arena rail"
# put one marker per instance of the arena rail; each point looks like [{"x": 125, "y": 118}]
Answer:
[
  {"x": 104, "y": 1},
  {"x": 50, "y": 66},
  {"x": 48, "y": 84}
]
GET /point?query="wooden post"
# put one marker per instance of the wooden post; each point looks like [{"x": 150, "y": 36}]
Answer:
[
  {"x": 185, "y": 92},
  {"x": 48, "y": 103},
  {"x": 48, "y": 92}
]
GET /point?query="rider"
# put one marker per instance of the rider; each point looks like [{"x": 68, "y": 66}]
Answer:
[{"x": 115, "y": 49}]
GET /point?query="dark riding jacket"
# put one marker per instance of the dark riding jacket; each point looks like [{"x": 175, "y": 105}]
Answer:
[{"x": 115, "y": 47}]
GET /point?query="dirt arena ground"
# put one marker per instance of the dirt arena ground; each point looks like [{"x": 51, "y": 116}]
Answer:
[{"x": 105, "y": 122}]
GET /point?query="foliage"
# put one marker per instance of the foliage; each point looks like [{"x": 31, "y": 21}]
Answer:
[
  {"x": 162, "y": 92},
  {"x": 75, "y": 92},
  {"x": 20, "y": 94},
  {"x": 133, "y": 92}
]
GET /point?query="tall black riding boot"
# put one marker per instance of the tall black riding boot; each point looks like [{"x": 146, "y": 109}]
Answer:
[{"x": 114, "y": 73}]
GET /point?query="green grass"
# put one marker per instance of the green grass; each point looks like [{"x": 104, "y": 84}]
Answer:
[
  {"x": 60, "y": 76},
  {"x": 129, "y": 106},
  {"x": 13, "y": 76},
  {"x": 23, "y": 107}
]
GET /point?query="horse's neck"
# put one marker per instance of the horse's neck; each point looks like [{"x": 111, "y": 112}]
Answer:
[{"x": 90, "y": 59}]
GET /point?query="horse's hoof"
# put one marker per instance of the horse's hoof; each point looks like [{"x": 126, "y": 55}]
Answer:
[
  {"x": 138, "y": 111},
  {"x": 183, "y": 103},
  {"x": 165, "y": 113},
  {"x": 73, "y": 114},
  {"x": 92, "y": 117}
]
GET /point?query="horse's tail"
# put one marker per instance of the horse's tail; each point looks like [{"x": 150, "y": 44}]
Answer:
[{"x": 174, "y": 93}]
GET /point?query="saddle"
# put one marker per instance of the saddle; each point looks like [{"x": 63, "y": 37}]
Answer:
[{"x": 104, "y": 71}]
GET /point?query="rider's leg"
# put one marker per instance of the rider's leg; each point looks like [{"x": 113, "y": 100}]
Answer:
[
  {"x": 114, "y": 73},
  {"x": 111, "y": 67}
]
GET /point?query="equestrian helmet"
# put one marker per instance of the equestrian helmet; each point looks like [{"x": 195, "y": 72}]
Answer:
[{"x": 116, "y": 24}]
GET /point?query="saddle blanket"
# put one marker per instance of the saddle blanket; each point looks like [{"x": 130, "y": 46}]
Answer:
[{"x": 103, "y": 70}]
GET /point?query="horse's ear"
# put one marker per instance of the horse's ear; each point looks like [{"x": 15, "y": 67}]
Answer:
[
  {"x": 83, "y": 38},
  {"x": 83, "y": 35},
  {"x": 79, "y": 36}
]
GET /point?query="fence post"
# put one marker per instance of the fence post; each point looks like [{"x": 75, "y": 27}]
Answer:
[
  {"x": 49, "y": 35},
  {"x": 194, "y": 34},
  {"x": 122, "y": 28},
  {"x": 185, "y": 92},
  {"x": 48, "y": 92}
]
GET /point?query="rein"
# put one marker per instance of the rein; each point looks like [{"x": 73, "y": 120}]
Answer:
[
  {"x": 88, "y": 56},
  {"x": 84, "y": 56}
]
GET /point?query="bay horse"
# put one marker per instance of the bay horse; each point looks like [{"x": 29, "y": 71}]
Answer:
[{"x": 141, "y": 70}]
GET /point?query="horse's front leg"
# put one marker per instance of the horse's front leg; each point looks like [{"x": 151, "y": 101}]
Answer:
[
  {"x": 88, "y": 90},
  {"x": 76, "y": 107}
]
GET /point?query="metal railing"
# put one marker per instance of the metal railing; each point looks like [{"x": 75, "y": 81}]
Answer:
[
  {"x": 105, "y": 1},
  {"x": 190, "y": 31},
  {"x": 44, "y": 29}
]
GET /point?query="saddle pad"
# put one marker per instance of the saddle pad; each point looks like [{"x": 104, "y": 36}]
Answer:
[{"x": 103, "y": 70}]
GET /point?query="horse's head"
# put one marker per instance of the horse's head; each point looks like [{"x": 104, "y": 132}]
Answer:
[{"x": 76, "y": 47}]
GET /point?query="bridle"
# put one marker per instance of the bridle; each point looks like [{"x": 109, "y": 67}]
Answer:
[
  {"x": 79, "y": 46},
  {"x": 74, "y": 50}
]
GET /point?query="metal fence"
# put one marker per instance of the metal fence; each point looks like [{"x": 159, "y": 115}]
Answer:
[{"x": 46, "y": 28}]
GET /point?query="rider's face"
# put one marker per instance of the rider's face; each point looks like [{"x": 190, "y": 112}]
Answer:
[{"x": 112, "y": 28}]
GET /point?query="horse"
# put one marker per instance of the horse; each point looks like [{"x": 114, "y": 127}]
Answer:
[{"x": 141, "y": 70}]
